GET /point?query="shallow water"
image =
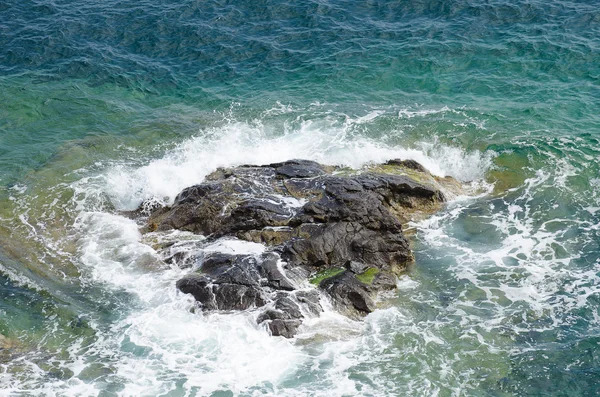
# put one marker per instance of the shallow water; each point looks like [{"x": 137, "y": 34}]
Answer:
[{"x": 106, "y": 104}]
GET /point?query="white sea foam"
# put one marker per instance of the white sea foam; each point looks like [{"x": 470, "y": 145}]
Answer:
[
  {"x": 206, "y": 352},
  {"x": 410, "y": 113},
  {"x": 531, "y": 260},
  {"x": 19, "y": 279},
  {"x": 235, "y": 247},
  {"x": 238, "y": 143}
]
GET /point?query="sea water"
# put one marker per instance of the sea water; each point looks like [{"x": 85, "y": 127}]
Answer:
[{"x": 104, "y": 105}]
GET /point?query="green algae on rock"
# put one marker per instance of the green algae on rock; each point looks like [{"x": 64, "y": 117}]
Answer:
[
  {"x": 324, "y": 274},
  {"x": 368, "y": 275}
]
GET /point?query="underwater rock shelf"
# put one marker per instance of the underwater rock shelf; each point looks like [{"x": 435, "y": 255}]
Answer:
[{"x": 328, "y": 230}]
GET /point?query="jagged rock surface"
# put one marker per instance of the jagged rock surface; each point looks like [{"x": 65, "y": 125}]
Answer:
[{"x": 341, "y": 227}]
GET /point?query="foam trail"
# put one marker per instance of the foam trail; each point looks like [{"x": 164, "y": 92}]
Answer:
[{"x": 238, "y": 143}]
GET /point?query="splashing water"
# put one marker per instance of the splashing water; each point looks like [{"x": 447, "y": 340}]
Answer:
[{"x": 109, "y": 104}]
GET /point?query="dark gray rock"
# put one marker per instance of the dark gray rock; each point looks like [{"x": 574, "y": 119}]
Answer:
[
  {"x": 299, "y": 169},
  {"x": 287, "y": 313},
  {"x": 269, "y": 270},
  {"x": 221, "y": 296},
  {"x": 313, "y": 218},
  {"x": 310, "y": 301},
  {"x": 339, "y": 242},
  {"x": 349, "y": 295},
  {"x": 286, "y": 328},
  {"x": 412, "y": 164}
]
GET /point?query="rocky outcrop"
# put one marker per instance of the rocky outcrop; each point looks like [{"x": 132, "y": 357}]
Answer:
[{"x": 339, "y": 228}]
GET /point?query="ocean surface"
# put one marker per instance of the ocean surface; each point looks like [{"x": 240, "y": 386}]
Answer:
[{"x": 104, "y": 104}]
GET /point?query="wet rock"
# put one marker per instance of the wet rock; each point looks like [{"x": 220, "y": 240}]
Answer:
[
  {"x": 288, "y": 311},
  {"x": 349, "y": 295},
  {"x": 356, "y": 267},
  {"x": 299, "y": 169},
  {"x": 235, "y": 282},
  {"x": 313, "y": 218},
  {"x": 270, "y": 269},
  {"x": 310, "y": 300},
  {"x": 224, "y": 296},
  {"x": 183, "y": 260},
  {"x": 339, "y": 242},
  {"x": 383, "y": 282},
  {"x": 412, "y": 164},
  {"x": 286, "y": 328}
]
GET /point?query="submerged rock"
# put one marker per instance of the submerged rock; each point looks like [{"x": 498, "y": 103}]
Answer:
[{"x": 341, "y": 228}]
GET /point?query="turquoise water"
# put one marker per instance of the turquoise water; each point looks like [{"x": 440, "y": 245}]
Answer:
[{"x": 106, "y": 104}]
